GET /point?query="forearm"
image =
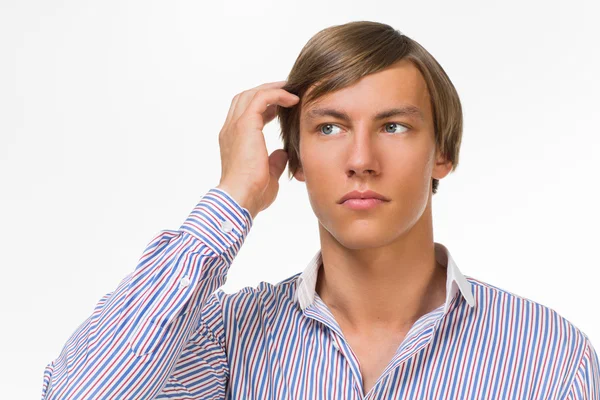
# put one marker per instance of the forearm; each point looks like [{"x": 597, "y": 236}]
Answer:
[{"x": 127, "y": 348}]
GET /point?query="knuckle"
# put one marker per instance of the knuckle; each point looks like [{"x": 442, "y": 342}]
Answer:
[{"x": 259, "y": 96}]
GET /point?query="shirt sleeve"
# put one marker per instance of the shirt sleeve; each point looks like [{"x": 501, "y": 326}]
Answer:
[
  {"x": 586, "y": 383},
  {"x": 202, "y": 371},
  {"x": 130, "y": 344}
]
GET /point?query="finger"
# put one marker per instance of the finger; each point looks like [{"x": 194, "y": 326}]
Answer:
[
  {"x": 246, "y": 97},
  {"x": 270, "y": 113},
  {"x": 231, "y": 110},
  {"x": 277, "y": 162},
  {"x": 260, "y": 102},
  {"x": 270, "y": 85},
  {"x": 263, "y": 98}
]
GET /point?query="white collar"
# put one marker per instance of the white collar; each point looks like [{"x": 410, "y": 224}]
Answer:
[{"x": 306, "y": 282}]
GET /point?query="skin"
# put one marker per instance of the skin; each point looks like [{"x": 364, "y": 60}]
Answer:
[{"x": 379, "y": 272}]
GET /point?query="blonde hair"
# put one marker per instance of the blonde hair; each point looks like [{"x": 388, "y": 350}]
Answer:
[{"x": 340, "y": 55}]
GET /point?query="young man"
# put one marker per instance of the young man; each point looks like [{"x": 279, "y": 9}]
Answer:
[{"x": 370, "y": 123}]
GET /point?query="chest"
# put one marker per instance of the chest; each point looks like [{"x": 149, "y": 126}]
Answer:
[{"x": 374, "y": 355}]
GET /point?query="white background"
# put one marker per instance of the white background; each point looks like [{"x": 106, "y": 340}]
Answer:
[{"x": 110, "y": 113}]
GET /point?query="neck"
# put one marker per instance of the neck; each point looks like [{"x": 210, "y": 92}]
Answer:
[{"x": 387, "y": 287}]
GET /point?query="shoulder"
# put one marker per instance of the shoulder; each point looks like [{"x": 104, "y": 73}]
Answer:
[
  {"x": 503, "y": 304},
  {"x": 519, "y": 319},
  {"x": 263, "y": 292},
  {"x": 241, "y": 303},
  {"x": 245, "y": 307}
]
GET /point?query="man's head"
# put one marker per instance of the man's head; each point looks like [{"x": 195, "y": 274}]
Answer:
[
  {"x": 339, "y": 56},
  {"x": 362, "y": 69}
]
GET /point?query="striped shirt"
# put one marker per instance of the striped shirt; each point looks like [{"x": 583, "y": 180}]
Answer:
[{"x": 169, "y": 332}]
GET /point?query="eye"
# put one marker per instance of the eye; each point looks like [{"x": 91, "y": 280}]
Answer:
[
  {"x": 329, "y": 127},
  {"x": 395, "y": 124}
]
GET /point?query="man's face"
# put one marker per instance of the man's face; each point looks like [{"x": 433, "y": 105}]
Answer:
[{"x": 394, "y": 156}]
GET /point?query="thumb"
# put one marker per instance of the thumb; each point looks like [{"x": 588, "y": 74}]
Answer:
[{"x": 277, "y": 162}]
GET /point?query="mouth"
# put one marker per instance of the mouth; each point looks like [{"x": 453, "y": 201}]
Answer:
[
  {"x": 363, "y": 204},
  {"x": 365, "y": 195}
]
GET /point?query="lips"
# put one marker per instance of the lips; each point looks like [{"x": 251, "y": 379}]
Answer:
[
  {"x": 362, "y": 204},
  {"x": 368, "y": 194}
]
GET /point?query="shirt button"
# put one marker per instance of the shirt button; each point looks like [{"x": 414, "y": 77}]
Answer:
[
  {"x": 226, "y": 226},
  {"x": 337, "y": 347},
  {"x": 184, "y": 282}
]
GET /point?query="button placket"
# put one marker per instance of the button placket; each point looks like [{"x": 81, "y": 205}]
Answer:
[{"x": 334, "y": 342}]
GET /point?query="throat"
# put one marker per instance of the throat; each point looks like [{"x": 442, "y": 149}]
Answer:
[{"x": 381, "y": 309}]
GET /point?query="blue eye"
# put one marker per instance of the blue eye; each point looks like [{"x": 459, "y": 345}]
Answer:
[
  {"x": 396, "y": 124},
  {"x": 331, "y": 126}
]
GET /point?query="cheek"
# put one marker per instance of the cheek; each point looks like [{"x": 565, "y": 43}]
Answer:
[
  {"x": 320, "y": 175},
  {"x": 314, "y": 159},
  {"x": 409, "y": 174},
  {"x": 417, "y": 157}
]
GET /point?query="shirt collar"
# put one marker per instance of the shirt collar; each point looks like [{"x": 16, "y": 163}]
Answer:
[{"x": 456, "y": 281}]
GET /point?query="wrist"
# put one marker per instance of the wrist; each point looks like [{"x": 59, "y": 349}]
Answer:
[{"x": 241, "y": 197}]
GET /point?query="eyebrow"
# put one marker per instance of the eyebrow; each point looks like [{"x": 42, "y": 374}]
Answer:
[{"x": 408, "y": 110}]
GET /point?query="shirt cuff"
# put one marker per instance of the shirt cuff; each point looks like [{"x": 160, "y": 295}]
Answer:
[
  {"x": 179, "y": 265},
  {"x": 218, "y": 220}
]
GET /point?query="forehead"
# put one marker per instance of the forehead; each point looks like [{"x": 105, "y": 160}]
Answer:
[{"x": 400, "y": 85}]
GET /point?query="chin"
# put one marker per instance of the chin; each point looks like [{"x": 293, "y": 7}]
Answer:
[
  {"x": 365, "y": 237},
  {"x": 357, "y": 242}
]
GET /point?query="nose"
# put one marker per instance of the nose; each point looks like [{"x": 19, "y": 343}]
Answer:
[{"x": 362, "y": 153}]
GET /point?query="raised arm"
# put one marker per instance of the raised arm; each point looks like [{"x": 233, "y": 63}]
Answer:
[
  {"x": 140, "y": 328},
  {"x": 130, "y": 344}
]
